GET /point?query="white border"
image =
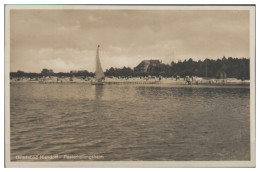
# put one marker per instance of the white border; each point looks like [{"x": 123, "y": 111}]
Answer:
[{"x": 141, "y": 163}]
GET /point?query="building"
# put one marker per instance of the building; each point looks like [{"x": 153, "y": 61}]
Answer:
[
  {"x": 47, "y": 72},
  {"x": 147, "y": 66}
]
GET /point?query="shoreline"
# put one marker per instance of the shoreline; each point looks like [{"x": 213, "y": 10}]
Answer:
[{"x": 139, "y": 81}]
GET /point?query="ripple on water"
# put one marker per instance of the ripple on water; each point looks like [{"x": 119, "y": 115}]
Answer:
[{"x": 130, "y": 122}]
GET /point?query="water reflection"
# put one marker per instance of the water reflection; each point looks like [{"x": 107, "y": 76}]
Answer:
[
  {"x": 153, "y": 92},
  {"x": 99, "y": 92}
]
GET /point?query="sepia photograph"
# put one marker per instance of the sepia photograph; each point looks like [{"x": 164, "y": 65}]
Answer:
[{"x": 129, "y": 86}]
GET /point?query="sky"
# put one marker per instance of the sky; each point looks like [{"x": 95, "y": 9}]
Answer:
[{"x": 65, "y": 40}]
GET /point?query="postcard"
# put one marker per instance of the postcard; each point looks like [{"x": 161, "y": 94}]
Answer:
[{"x": 130, "y": 86}]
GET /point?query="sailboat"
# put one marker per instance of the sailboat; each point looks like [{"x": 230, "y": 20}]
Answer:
[{"x": 99, "y": 71}]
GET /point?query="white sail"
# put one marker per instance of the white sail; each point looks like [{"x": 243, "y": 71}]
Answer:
[{"x": 99, "y": 70}]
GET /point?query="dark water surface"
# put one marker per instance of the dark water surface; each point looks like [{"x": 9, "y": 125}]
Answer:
[{"x": 130, "y": 122}]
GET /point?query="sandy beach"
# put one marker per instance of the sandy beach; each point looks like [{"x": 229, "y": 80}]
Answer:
[{"x": 136, "y": 80}]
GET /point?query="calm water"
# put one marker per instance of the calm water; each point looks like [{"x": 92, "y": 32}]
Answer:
[{"x": 130, "y": 122}]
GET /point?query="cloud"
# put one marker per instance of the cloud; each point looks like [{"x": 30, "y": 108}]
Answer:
[
  {"x": 70, "y": 29},
  {"x": 70, "y": 37},
  {"x": 115, "y": 49}
]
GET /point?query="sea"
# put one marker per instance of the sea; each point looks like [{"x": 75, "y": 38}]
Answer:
[{"x": 83, "y": 122}]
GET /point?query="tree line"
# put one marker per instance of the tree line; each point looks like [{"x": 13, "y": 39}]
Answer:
[
  {"x": 20, "y": 74},
  {"x": 232, "y": 67}
]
